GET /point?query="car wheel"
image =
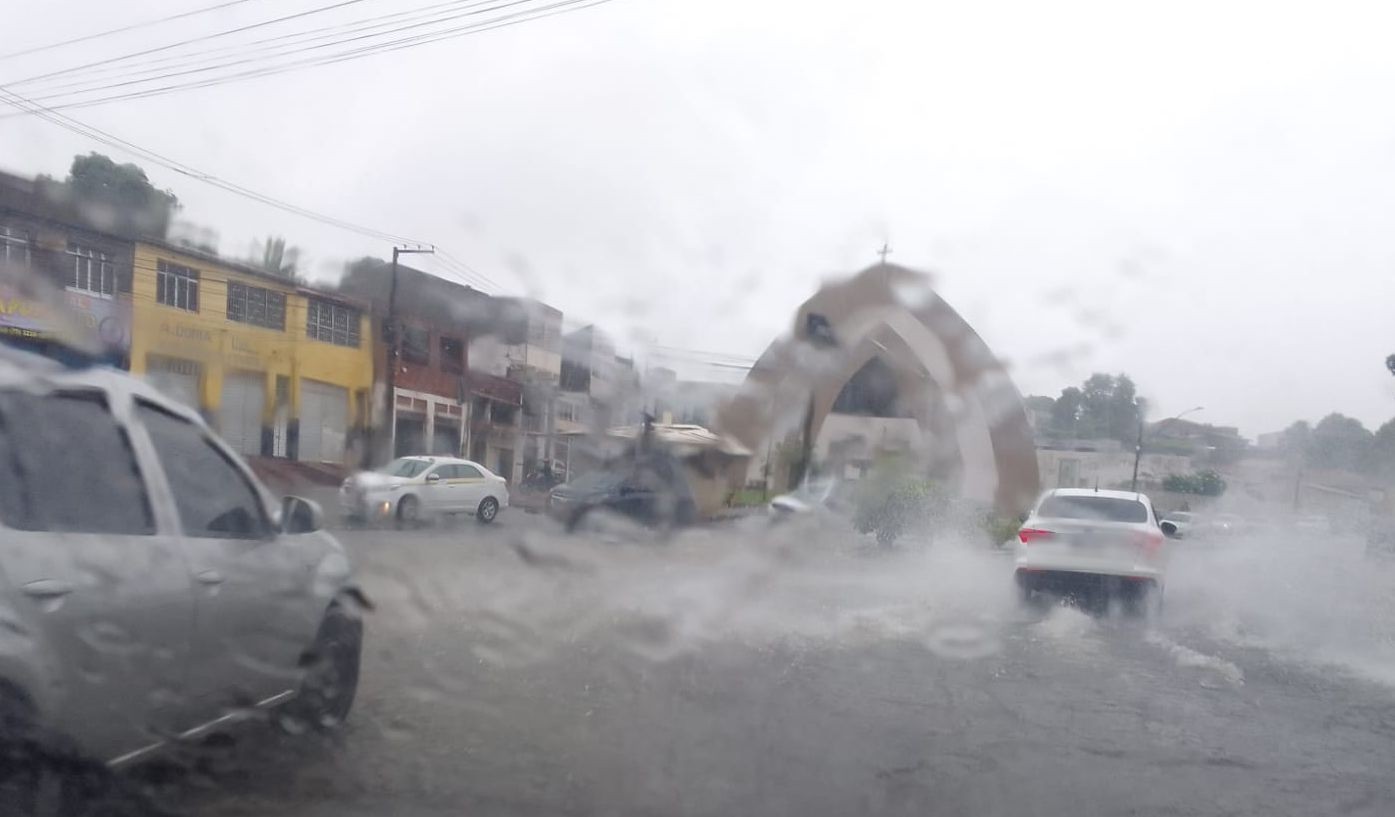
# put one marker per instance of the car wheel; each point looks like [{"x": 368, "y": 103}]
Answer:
[
  {"x": 1025, "y": 589},
  {"x": 46, "y": 775},
  {"x": 576, "y": 522},
  {"x": 331, "y": 667},
  {"x": 488, "y": 509},
  {"x": 1143, "y": 600},
  {"x": 408, "y": 512}
]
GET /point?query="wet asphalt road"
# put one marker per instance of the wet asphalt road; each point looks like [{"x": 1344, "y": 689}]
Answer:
[{"x": 510, "y": 670}]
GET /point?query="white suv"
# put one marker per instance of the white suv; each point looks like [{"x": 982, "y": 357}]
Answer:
[
  {"x": 410, "y": 489},
  {"x": 1079, "y": 540}
]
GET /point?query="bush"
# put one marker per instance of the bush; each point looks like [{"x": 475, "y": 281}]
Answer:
[
  {"x": 1000, "y": 528},
  {"x": 1202, "y": 483},
  {"x": 891, "y": 499}
]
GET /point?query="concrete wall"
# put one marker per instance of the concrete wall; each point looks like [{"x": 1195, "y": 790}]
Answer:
[{"x": 1108, "y": 469}]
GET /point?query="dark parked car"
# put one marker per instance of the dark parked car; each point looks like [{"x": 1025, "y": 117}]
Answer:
[{"x": 650, "y": 489}]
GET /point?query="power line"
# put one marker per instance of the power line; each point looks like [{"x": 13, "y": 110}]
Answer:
[
  {"x": 451, "y": 259},
  {"x": 92, "y": 132},
  {"x": 474, "y": 281},
  {"x": 562, "y": 7},
  {"x": 679, "y": 350},
  {"x": 96, "y": 134},
  {"x": 365, "y": 51},
  {"x": 206, "y": 54},
  {"x": 196, "y": 59},
  {"x": 132, "y": 27},
  {"x": 202, "y": 38}
]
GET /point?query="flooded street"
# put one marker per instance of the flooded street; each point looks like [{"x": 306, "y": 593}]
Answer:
[{"x": 739, "y": 670}]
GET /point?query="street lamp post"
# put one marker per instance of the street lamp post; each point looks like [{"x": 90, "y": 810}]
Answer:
[{"x": 1138, "y": 446}]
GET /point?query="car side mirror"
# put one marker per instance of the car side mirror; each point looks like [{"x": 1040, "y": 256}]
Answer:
[
  {"x": 1169, "y": 529},
  {"x": 433, "y": 477},
  {"x": 301, "y": 515}
]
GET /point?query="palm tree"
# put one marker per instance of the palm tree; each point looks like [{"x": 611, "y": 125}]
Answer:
[{"x": 276, "y": 258}]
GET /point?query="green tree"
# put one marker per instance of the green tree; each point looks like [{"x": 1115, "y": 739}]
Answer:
[
  {"x": 276, "y": 258},
  {"x": 1297, "y": 439},
  {"x": 1103, "y": 406},
  {"x": 1065, "y": 412},
  {"x": 1124, "y": 409},
  {"x": 1383, "y": 449},
  {"x": 894, "y": 497},
  {"x": 119, "y": 197},
  {"x": 1202, "y": 483},
  {"x": 1339, "y": 441}
]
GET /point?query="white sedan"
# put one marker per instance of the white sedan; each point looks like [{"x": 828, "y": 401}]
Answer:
[
  {"x": 1106, "y": 543},
  {"x": 411, "y": 489}
]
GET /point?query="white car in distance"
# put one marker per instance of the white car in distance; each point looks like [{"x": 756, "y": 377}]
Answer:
[
  {"x": 1104, "y": 544},
  {"x": 409, "y": 490}
]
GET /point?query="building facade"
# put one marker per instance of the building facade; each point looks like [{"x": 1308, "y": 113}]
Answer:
[
  {"x": 278, "y": 369},
  {"x": 447, "y": 398},
  {"x": 60, "y": 277},
  {"x": 526, "y": 349}
]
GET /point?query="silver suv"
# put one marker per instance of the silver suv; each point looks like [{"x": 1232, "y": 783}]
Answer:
[{"x": 151, "y": 590}]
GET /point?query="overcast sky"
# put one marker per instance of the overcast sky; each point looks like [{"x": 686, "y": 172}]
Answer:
[{"x": 1200, "y": 195}]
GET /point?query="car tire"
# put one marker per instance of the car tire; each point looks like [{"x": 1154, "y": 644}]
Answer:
[
  {"x": 576, "y": 521},
  {"x": 1144, "y": 602},
  {"x": 408, "y": 512},
  {"x": 43, "y": 774},
  {"x": 331, "y": 666},
  {"x": 487, "y": 511},
  {"x": 1025, "y": 590}
]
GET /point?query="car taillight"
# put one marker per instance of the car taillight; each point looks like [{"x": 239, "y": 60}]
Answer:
[
  {"x": 1149, "y": 541},
  {"x": 1030, "y": 535}
]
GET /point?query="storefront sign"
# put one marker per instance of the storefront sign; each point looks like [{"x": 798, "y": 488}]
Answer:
[{"x": 79, "y": 319}]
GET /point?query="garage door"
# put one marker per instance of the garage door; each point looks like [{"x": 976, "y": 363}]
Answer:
[
  {"x": 324, "y": 421},
  {"x": 178, "y": 379},
  {"x": 240, "y": 411}
]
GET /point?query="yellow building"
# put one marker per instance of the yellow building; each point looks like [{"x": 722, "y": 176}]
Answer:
[{"x": 280, "y": 370}]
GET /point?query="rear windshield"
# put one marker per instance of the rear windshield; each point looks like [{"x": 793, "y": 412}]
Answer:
[{"x": 1106, "y": 508}]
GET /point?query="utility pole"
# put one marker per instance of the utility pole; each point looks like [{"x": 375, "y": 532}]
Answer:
[
  {"x": 806, "y": 447},
  {"x": 1137, "y": 455},
  {"x": 884, "y": 252},
  {"x": 1138, "y": 447},
  {"x": 393, "y": 333}
]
